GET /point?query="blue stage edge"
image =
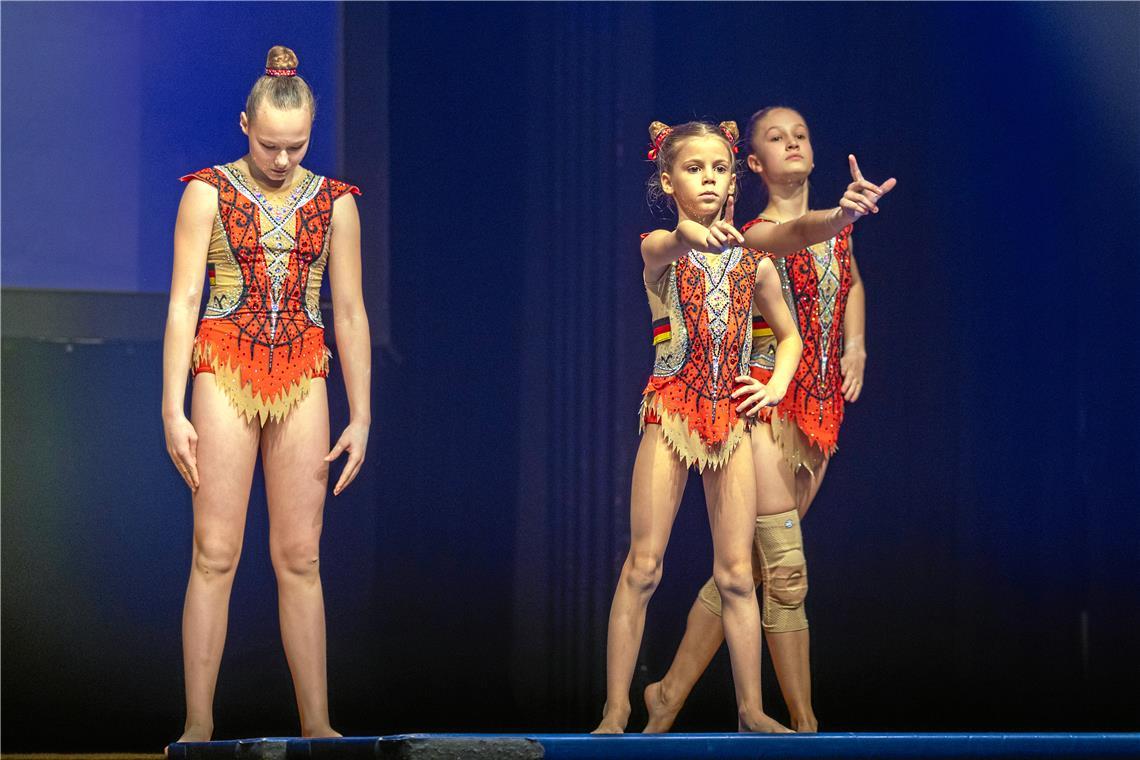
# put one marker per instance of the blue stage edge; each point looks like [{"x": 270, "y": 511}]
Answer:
[{"x": 1077, "y": 746}]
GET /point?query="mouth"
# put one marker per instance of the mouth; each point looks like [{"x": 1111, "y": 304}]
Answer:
[
  {"x": 794, "y": 157},
  {"x": 708, "y": 196}
]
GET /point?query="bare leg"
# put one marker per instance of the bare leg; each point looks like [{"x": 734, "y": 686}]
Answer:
[
  {"x": 790, "y": 650},
  {"x": 296, "y": 477},
  {"x": 704, "y": 633},
  {"x": 731, "y": 493},
  {"x": 227, "y": 451},
  {"x": 658, "y": 483},
  {"x": 775, "y": 493}
]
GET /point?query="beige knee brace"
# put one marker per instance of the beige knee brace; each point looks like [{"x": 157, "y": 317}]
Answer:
[
  {"x": 783, "y": 570},
  {"x": 710, "y": 595}
]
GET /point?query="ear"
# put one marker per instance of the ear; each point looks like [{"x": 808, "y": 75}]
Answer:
[
  {"x": 754, "y": 164},
  {"x": 666, "y": 183},
  {"x": 732, "y": 185},
  {"x": 244, "y": 122}
]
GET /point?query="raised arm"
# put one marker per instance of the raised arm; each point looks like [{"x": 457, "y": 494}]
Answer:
[
  {"x": 861, "y": 198},
  {"x": 191, "y": 244},
  {"x": 661, "y": 248},
  {"x": 854, "y": 359},
  {"x": 352, "y": 340}
]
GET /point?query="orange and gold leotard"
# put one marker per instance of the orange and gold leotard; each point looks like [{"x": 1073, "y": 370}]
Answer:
[
  {"x": 701, "y": 308},
  {"x": 815, "y": 282},
  {"x": 261, "y": 334}
]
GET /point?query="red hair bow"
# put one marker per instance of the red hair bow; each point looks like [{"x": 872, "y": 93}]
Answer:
[
  {"x": 280, "y": 72},
  {"x": 656, "y": 144},
  {"x": 731, "y": 141}
]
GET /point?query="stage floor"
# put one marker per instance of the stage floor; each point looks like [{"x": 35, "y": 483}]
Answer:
[{"x": 1076, "y": 746}]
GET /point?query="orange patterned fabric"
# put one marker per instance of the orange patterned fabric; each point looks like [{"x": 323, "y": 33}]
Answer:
[
  {"x": 261, "y": 334},
  {"x": 692, "y": 398},
  {"x": 815, "y": 282}
]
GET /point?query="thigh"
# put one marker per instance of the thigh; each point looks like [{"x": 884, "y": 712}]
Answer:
[
  {"x": 659, "y": 479},
  {"x": 730, "y": 494},
  {"x": 808, "y": 485},
  {"x": 296, "y": 474},
  {"x": 775, "y": 481},
  {"x": 226, "y": 455}
]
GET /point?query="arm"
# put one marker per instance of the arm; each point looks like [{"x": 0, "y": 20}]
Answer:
[
  {"x": 352, "y": 339},
  {"x": 860, "y": 198},
  {"x": 191, "y": 243},
  {"x": 769, "y": 301},
  {"x": 661, "y": 248},
  {"x": 854, "y": 359}
]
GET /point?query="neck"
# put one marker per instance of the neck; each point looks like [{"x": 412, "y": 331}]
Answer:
[
  {"x": 684, "y": 217},
  {"x": 263, "y": 179},
  {"x": 787, "y": 201}
]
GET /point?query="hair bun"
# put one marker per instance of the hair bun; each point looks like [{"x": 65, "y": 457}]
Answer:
[
  {"x": 656, "y": 128},
  {"x": 731, "y": 128},
  {"x": 281, "y": 57}
]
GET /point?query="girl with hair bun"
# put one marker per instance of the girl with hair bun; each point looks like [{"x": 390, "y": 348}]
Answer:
[
  {"x": 263, "y": 229},
  {"x": 793, "y": 441},
  {"x": 703, "y": 280}
]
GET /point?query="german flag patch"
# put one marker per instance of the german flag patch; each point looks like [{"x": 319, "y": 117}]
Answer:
[
  {"x": 760, "y": 328},
  {"x": 662, "y": 330},
  {"x": 211, "y": 272}
]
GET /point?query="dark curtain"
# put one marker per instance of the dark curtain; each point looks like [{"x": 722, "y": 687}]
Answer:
[{"x": 582, "y": 356}]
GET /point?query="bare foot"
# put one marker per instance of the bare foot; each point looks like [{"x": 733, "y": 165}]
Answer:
[
  {"x": 613, "y": 721},
  {"x": 323, "y": 732},
  {"x": 196, "y": 734},
  {"x": 805, "y": 725},
  {"x": 662, "y": 712},
  {"x": 760, "y": 723}
]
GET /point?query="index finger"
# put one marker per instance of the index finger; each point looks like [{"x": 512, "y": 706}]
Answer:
[
  {"x": 855, "y": 173},
  {"x": 729, "y": 208}
]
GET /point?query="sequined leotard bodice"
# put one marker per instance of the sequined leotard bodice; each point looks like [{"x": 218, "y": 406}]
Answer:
[
  {"x": 815, "y": 282},
  {"x": 261, "y": 333},
  {"x": 701, "y": 308}
]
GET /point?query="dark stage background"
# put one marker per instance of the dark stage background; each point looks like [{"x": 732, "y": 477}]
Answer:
[{"x": 973, "y": 552}]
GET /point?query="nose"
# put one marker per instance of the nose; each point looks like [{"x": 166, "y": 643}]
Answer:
[
  {"x": 792, "y": 143},
  {"x": 281, "y": 160}
]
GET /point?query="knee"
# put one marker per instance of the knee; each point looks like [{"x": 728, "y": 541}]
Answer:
[
  {"x": 215, "y": 557},
  {"x": 787, "y": 581},
  {"x": 735, "y": 580},
  {"x": 298, "y": 558},
  {"x": 642, "y": 572}
]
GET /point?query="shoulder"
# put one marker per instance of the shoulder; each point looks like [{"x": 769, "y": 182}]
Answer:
[
  {"x": 210, "y": 176},
  {"x": 754, "y": 222},
  {"x": 337, "y": 188},
  {"x": 765, "y": 268}
]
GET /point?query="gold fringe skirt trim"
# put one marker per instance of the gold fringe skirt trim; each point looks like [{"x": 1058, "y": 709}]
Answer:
[
  {"x": 686, "y": 443},
  {"x": 798, "y": 451},
  {"x": 254, "y": 406}
]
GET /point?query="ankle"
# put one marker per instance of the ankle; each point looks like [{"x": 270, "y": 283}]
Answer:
[
  {"x": 670, "y": 693},
  {"x": 197, "y": 731}
]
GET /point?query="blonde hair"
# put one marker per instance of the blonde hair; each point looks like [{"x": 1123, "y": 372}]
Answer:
[
  {"x": 667, "y": 142},
  {"x": 283, "y": 92}
]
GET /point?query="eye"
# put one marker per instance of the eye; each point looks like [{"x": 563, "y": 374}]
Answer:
[
  {"x": 722, "y": 169},
  {"x": 774, "y": 138},
  {"x": 692, "y": 169}
]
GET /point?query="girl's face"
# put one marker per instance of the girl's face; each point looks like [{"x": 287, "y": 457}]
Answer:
[
  {"x": 781, "y": 148},
  {"x": 701, "y": 178},
  {"x": 278, "y": 140}
]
